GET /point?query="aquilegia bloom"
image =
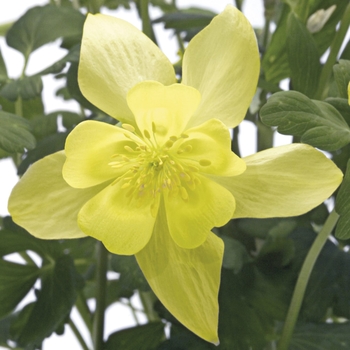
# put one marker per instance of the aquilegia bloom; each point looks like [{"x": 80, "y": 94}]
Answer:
[{"x": 156, "y": 185}]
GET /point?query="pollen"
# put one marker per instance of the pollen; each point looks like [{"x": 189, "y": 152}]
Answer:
[{"x": 147, "y": 169}]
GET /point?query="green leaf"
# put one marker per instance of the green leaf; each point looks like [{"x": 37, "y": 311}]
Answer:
[
  {"x": 27, "y": 88},
  {"x": 15, "y": 133},
  {"x": 3, "y": 70},
  {"x": 55, "y": 300},
  {"x": 41, "y": 25},
  {"x": 342, "y": 106},
  {"x": 342, "y": 207},
  {"x": 235, "y": 254},
  {"x": 241, "y": 325},
  {"x": 317, "y": 123},
  {"x": 131, "y": 277},
  {"x": 303, "y": 57},
  {"x": 275, "y": 61},
  {"x": 182, "y": 339},
  {"x": 44, "y": 147},
  {"x": 342, "y": 77},
  {"x": 300, "y": 7},
  {"x": 191, "y": 21},
  {"x": 323, "y": 336},
  {"x": 145, "y": 337},
  {"x": 72, "y": 56},
  {"x": 5, "y": 325},
  {"x": 16, "y": 239},
  {"x": 15, "y": 282}
]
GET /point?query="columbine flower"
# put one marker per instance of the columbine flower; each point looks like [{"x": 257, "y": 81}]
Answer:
[{"x": 158, "y": 184}]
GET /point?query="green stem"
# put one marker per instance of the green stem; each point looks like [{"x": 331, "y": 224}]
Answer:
[
  {"x": 146, "y": 22},
  {"x": 234, "y": 144},
  {"x": 239, "y": 4},
  {"x": 78, "y": 335},
  {"x": 266, "y": 36},
  {"x": 76, "y": 4},
  {"x": 323, "y": 85},
  {"x": 181, "y": 44},
  {"x": 94, "y": 6},
  {"x": 19, "y": 107},
  {"x": 133, "y": 311},
  {"x": 147, "y": 300},
  {"x": 101, "y": 282},
  {"x": 84, "y": 311},
  {"x": 303, "y": 279}
]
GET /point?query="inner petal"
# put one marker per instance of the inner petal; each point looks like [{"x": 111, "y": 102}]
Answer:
[{"x": 162, "y": 111}]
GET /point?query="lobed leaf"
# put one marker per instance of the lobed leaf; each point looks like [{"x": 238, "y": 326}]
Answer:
[
  {"x": 55, "y": 300},
  {"x": 27, "y": 88},
  {"x": 43, "y": 24},
  {"x": 15, "y": 282},
  {"x": 317, "y": 123},
  {"x": 15, "y": 135},
  {"x": 342, "y": 77}
]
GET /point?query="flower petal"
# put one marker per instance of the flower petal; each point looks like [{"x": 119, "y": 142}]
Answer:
[
  {"x": 192, "y": 216},
  {"x": 89, "y": 149},
  {"x": 209, "y": 144},
  {"x": 44, "y": 204},
  {"x": 123, "y": 224},
  {"x": 222, "y": 63},
  {"x": 114, "y": 57},
  {"x": 185, "y": 280},
  {"x": 283, "y": 181},
  {"x": 162, "y": 110}
]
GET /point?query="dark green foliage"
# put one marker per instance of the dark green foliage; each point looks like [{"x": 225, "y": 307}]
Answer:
[
  {"x": 317, "y": 123},
  {"x": 342, "y": 77},
  {"x": 41, "y": 25},
  {"x": 343, "y": 207},
  {"x": 302, "y": 57},
  {"x": 321, "y": 337},
  {"x": 15, "y": 282},
  {"x": 146, "y": 337},
  {"x": 189, "y": 21},
  {"x": 15, "y": 135}
]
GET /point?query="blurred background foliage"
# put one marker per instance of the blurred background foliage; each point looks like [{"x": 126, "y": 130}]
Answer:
[{"x": 263, "y": 257}]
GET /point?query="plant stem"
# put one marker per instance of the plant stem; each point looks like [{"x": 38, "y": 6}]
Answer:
[
  {"x": 148, "y": 299},
  {"x": 84, "y": 311},
  {"x": 78, "y": 335},
  {"x": 323, "y": 85},
  {"x": 303, "y": 279},
  {"x": 146, "y": 22},
  {"x": 101, "y": 281},
  {"x": 234, "y": 142}
]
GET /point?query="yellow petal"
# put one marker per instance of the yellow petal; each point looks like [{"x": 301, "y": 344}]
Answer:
[
  {"x": 222, "y": 63},
  {"x": 185, "y": 280},
  {"x": 283, "y": 181},
  {"x": 44, "y": 204},
  {"x": 123, "y": 224},
  {"x": 191, "y": 217},
  {"x": 114, "y": 57},
  {"x": 162, "y": 110},
  {"x": 89, "y": 149},
  {"x": 209, "y": 144}
]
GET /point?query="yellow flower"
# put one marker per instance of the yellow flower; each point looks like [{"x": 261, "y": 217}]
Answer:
[{"x": 157, "y": 185}]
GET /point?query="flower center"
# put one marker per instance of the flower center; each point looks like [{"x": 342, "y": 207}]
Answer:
[{"x": 151, "y": 169}]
